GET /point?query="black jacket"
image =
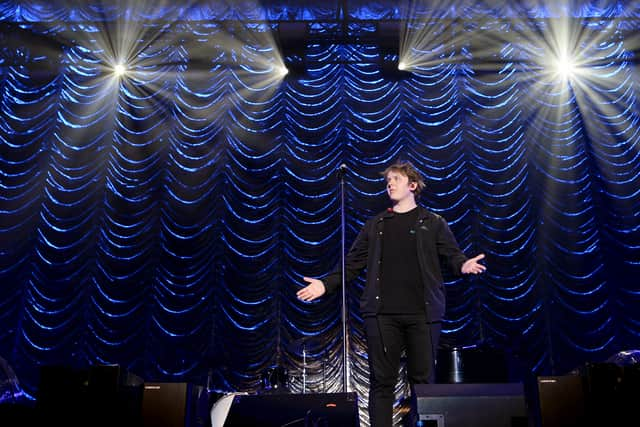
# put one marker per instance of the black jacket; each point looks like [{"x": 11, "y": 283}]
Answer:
[{"x": 435, "y": 242}]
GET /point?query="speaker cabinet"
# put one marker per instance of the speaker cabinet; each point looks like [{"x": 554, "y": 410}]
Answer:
[
  {"x": 62, "y": 394},
  {"x": 612, "y": 393},
  {"x": 166, "y": 404},
  {"x": 277, "y": 410},
  {"x": 561, "y": 400},
  {"x": 471, "y": 405},
  {"x": 100, "y": 396}
]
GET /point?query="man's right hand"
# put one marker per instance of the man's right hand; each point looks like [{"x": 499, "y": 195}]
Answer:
[{"x": 314, "y": 290}]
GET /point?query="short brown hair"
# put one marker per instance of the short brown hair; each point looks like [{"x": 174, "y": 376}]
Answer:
[{"x": 408, "y": 170}]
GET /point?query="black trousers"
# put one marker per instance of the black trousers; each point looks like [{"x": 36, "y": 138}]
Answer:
[{"x": 387, "y": 335}]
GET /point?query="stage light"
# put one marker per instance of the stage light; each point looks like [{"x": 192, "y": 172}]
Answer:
[
  {"x": 119, "y": 70},
  {"x": 281, "y": 71},
  {"x": 565, "y": 67},
  {"x": 292, "y": 40},
  {"x": 402, "y": 66}
]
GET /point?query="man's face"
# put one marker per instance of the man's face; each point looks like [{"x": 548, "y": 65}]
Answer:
[{"x": 398, "y": 187}]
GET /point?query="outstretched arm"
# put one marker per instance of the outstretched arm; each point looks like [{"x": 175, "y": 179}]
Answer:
[
  {"x": 355, "y": 262},
  {"x": 472, "y": 266},
  {"x": 313, "y": 290}
]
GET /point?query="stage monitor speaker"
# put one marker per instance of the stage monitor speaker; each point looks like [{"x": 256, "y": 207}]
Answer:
[
  {"x": 471, "y": 405},
  {"x": 62, "y": 395},
  {"x": 277, "y": 410},
  {"x": 168, "y": 404},
  {"x": 612, "y": 393},
  {"x": 561, "y": 401},
  {"x": 115, "y": 394},
  {"x": 72, "y": 396}
]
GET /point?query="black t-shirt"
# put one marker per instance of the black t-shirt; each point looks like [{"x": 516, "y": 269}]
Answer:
[{"x": 401, "y": 287}]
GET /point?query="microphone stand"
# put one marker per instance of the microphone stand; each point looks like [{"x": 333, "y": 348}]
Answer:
[{"x": 345, "y": 335}]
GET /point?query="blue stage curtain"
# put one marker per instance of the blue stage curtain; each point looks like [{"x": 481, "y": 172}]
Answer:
[{"x": 164, "y": 221}]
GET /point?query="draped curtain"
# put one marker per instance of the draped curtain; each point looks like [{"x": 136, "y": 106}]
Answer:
[{"x": 164, "y": 220}]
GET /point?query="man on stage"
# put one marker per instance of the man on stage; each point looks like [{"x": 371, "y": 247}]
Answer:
[{"x": 403, "y": 301}]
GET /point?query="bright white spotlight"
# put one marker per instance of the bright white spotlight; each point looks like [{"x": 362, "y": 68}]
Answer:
[
  {"x": 402, "y": 66},
  {"x": 281, "y": 71},
  {"x": 119, "y": 70},
  {"x": 565, "y": 68}
]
